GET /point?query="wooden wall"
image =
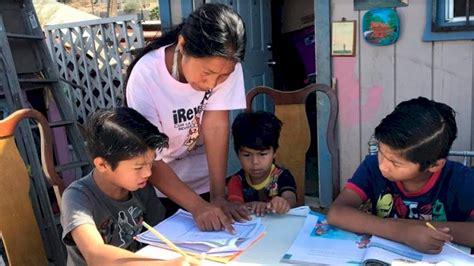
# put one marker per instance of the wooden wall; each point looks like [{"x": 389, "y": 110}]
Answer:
[{"x": 373, "y": 82}]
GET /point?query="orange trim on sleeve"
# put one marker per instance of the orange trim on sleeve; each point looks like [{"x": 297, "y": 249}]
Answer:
[{"x": 357, "y": 190}]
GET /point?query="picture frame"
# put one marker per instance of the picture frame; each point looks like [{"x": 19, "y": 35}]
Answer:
[{"x": 343, "y": 38}]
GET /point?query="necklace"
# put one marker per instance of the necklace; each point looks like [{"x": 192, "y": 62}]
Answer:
[{"x": 174, "y": 68}]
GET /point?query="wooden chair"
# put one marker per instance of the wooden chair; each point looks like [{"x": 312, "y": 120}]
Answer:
[
  {"x": 18, "y": 227},
  {"x": 295, "y": 135}
]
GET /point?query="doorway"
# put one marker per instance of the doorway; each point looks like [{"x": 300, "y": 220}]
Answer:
[{"x": 294, "y": 66}]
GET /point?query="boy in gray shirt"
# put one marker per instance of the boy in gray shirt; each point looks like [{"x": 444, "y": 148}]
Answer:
[{"x": 103, "y": 211}]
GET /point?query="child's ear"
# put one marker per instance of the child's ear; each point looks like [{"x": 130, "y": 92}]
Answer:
[
  {"x": 100, "y": 164},
  {"x": 438, "y": 165}
]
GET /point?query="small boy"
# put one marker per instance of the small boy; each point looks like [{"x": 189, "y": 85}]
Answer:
[
  {"x": 261, "y": 185},
  {"x": 103, "y": 211},
  {"x": 411, "y": 182}
]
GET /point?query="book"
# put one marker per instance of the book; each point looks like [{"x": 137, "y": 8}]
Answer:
[
  {"x": 323, "y": 244},
  {"x": 182, "y": 231}
]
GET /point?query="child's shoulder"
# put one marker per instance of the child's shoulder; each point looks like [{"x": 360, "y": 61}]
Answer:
[
  {"x": 237, "y": 175},
  {"x": 457, "y": 170},
  {"x": 80, "y": 184}
]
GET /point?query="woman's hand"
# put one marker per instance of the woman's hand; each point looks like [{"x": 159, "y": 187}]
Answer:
[
  {"x": 234, "y": 211},
  {"x": 278, "y": 205},
  {"x": 211, "y": 218}
]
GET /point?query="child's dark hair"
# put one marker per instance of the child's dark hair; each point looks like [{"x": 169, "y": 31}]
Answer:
[
  {"x": 420, "y": 129},
  {"x": 258, "y": 131},
  {"x": 120, "y": 134},
  {"x": 211, "y": 30}
]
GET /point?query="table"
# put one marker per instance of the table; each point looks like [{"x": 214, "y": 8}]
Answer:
[{"x": 281, "y": 231}]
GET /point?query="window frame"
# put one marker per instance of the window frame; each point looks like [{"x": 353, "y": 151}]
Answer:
[{"x": 438, "y": 29}]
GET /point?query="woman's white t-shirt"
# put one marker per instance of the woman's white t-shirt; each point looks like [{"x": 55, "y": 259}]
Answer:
[{"x": 174, "y": 107}]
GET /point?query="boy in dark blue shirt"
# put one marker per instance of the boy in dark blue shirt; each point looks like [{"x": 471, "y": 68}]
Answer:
[{"x": 410, "y": 182}]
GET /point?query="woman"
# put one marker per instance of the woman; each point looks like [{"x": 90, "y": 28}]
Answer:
[{"x": 185, "y": 83}]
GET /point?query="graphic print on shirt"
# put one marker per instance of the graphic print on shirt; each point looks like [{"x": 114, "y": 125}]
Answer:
[
  {"x": 128, "y": 229},
  {"x": 384, "y": 205},
  {"x": 194, "y": 131},
  {"x": 392, "y": 205},
  {"x": 439, "y": 212},
  {"x": 106, "y": 230}
]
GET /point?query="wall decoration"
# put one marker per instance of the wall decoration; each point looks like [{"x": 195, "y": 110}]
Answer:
[
  {"x": 371, "y": 4},
  {"x": 343, "y": 38},
  {"x": 381, "y": 26}
]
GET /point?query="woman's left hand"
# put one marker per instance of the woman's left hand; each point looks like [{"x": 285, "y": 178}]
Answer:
[{"x": 234, "y": 211}]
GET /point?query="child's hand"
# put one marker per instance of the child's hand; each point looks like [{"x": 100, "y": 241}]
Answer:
[
  {"x": 425, "y": 239},
  {"x": 278, "y": 205},
  {"x": 257, "y": 207}
]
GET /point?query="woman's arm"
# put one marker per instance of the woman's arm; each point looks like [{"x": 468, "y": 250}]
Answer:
[
  {"x": 215, "y": 129},
  {"x": 96, "y": 252}
]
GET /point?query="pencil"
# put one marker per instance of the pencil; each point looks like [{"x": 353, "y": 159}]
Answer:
[
  {"x": 164, "y": 239},
  {"x": 447, "y": 242},
  {"x": 431, "y": 226}
]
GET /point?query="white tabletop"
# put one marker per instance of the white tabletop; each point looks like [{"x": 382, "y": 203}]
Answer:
[{"x": 281, "y": 231}]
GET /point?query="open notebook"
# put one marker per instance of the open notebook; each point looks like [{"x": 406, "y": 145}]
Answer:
[
  {"x": 320, "y": 243},
  {"x": 184, "y": 233}
]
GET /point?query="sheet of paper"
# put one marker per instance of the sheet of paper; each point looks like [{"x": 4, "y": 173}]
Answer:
[
  {"x": 321, "y": 243},
  {"x": 183, "y": 232},
  {"x": 388, "y": 251},
  {"x": 299, "y": 211}
]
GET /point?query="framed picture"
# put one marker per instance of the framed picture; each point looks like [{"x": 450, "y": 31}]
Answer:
[{"x": 343, "y": 38}]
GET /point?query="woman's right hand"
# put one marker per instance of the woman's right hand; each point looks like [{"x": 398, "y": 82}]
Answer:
[{"x": 209, "y": 217}]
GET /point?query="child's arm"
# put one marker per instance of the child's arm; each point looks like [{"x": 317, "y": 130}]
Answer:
[
  {"x": 344, "y": 213},
  {"x": 282, "y": 204},
  {"x": 287, "y": 193},
  {"x": 96, "y": 252}
]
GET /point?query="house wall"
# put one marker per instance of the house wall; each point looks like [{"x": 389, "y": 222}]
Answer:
[{"x": 373, "y": 82}]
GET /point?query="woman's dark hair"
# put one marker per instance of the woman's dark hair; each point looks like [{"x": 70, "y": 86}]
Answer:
[
  {"x": 258, "y": 131},
  {"x": 211, "y": 30},
  {"x": 121, "y": 134},
  {"x": 421, "y": 130}
]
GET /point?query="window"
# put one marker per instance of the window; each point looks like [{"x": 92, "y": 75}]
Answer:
[
  {"x": 449, "y": 20},
  {"x": 453, "y": 15}
]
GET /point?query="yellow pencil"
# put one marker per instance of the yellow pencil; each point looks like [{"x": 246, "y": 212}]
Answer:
[
  {"x": 164, "y": 239},
  {"x": 431, "y": 226},
  {"x": 189, "y": 257}
]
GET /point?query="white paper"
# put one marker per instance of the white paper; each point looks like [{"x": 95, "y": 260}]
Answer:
[{"x": 184, "y": 233}]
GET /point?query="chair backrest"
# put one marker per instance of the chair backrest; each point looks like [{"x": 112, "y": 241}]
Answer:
[
  {"x": 295, "y": 137},
  {"x": 465, "y": 154},
  {"x": 18, "y": 227}
]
